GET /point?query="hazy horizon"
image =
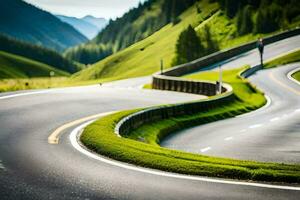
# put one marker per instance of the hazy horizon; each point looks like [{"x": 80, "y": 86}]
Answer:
[{"x": 75, "y": 8}]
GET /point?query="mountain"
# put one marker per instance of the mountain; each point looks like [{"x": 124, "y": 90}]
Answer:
[
  {"x": 135, "y": 25},
  {"x": 38, "y": 53},
  {"x": 221, "y": 16},
  {"x": 88, "y": 26},
  {"x": 100, "y": 22},
  {"x": 13, "y": 66},
  {"x": 29, "y": 23}
]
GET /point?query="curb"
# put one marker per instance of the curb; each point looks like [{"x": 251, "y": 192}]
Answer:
[
  {"x": 289, "y": 75},
  {"x": 74, "y": 138}
]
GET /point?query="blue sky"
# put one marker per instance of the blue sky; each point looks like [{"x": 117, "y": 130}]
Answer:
[{"x": 79, "y": 8}]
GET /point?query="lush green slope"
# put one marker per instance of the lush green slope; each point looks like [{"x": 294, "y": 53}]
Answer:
[
  {"x": 135, "y": 25},
  {"x": 38, "y": 53},
  {"x": 13, "y": 66},
  {"x": 143, "y": 57},
  {"x": 29, "y": 23}
]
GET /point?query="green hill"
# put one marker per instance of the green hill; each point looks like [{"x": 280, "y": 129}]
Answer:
[
  {"x": 143, "y": 58},
  {"x": 13, "y": 66},
  {"x": 135, "y": 25},
  {"x": 38, "y": 53}
]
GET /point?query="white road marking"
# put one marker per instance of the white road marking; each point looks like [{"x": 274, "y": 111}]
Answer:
[
  {"x": 54, "y": 137},
  {"x": 75, "y": 135},
  {"x": 228, "y": 138},
  {"x": 268, "y": 103},
  {"x": 298, "y": 110},
  {"x": 255, "y": 126},
  {"x": 289, "y": 75},
  {"x": 23, "y": 94},
  {"x": 274, "y": 119},
  {"x": 271, "y": 75},
  {"x": 205, "y": 149},
  {"x": 243, "y": 130}
]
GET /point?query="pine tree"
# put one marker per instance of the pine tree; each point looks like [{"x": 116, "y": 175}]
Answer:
[
  {"x": 244, "y": 20},
  {"x": 268, "y": 19},
  {"x": 188, "y": 46},
  {"x": 211, "y": 45}
]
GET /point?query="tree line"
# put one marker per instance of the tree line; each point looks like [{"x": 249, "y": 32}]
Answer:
[
  {"x": 132, "y": 27},
  {"x": 38, "y": 53},
  {"x": 250, "y": 16},
  {"x": 261, "y": 16}
]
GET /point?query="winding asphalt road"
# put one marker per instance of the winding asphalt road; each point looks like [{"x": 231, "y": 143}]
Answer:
[
  {"x": 270, "y": 134},
  {"x": 30, "y": 168}
]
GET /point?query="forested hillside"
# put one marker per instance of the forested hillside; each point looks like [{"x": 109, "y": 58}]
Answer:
[
  {"x": 38, "y": 53},
  {"x": 13, "y": 66},
  {"x": 220, "y": 17},
  {"x": 26, "y": 22},
  {"x": 133, "y": 26}
]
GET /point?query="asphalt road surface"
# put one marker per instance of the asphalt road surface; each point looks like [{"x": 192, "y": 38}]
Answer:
[
  {"x": 30, "y": 168},
  {"x": 270, "y": 134}
]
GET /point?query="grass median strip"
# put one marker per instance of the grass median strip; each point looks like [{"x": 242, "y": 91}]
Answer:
[
  {"x": 141, "y": 146},
  {"x": 296, "y": 75},
  {"x": 283, "y": 60}
]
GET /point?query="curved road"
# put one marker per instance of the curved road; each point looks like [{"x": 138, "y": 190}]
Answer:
[
  {"x": 270, "y": 134},
  {"x": 30, "y": 168}
]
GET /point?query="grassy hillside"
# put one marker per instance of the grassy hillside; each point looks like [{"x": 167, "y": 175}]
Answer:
[
  {"x": 38, "y": 53},
  {"x": 13, "y": 66},
  {"x": 143, "y": 57},
  {"x": 135, "y": 25}
]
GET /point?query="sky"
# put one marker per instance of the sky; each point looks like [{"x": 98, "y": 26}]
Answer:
[{"x": 109, "y": 9}]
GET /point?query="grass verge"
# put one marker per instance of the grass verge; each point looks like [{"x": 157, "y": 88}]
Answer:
[
  {"x": 289, "y": 58},
  {"x": 296, "y": 75},
  {"x": 101, "y": 138}
]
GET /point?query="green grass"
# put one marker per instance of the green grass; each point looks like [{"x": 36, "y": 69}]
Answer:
[
  {"x": 296, "y": 76},
  {"x": 142, "y": 58},
  {"x": 141, "y": 146},
  {"x": 13, "y": 66},
  {"x": 289, "y": 58},
  {"x": 134, "y": 62},
  {"x": 247, "y": 98},
  {"x": 100, "y": 137},
  {"x": 42, "y": 83}
]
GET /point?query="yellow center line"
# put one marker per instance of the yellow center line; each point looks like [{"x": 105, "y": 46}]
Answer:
[
  {"x": 54, "y": 137},
  {"x": 283, "y": 85}
]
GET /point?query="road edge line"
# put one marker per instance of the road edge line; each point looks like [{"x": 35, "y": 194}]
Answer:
[
  {"x": 77, "y": 131},
  {"x": 55, "y": 135},
  {"x": 289, "y": 75}
]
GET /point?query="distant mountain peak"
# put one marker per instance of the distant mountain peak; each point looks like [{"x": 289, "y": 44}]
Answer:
[
  {"x": 32, "y": 24},
  {"x": 89, "y": 26}
]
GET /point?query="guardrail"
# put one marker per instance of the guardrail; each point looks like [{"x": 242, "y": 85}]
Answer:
[
  {"x": 168, "y": 81},
  {"x": 163, "y": 112},
  {"x": 207, "y": 88}
]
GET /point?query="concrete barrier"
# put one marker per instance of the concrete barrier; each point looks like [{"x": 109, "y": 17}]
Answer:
[
  {"x": 167, "y": 80},
  {"x": 137, "y": 119}
]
